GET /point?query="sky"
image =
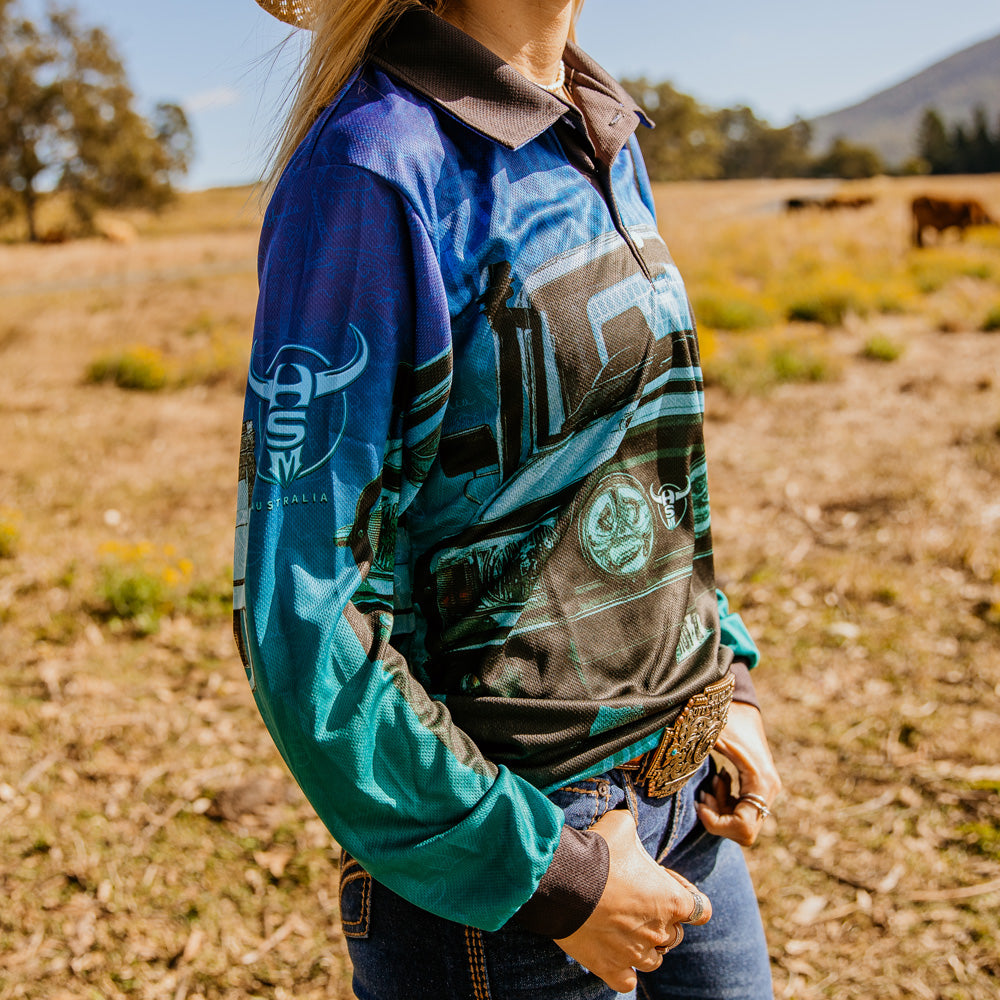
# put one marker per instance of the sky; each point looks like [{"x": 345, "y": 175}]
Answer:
[{"x": 229, "y": 64}]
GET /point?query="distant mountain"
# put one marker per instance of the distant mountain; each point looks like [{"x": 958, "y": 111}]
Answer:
[{"x": 888, "y": 121}]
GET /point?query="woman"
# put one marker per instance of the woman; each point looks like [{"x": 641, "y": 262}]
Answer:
[{"x": 474, "y": 591}]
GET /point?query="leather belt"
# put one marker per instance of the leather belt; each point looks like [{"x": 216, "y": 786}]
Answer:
[{"x": 684, "y": 745}]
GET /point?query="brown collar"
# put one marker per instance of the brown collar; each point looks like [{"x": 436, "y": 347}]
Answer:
[{"x": 477, "y": 87}]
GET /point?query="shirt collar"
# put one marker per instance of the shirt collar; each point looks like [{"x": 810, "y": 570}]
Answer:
[{"x": 477, "y": 87}]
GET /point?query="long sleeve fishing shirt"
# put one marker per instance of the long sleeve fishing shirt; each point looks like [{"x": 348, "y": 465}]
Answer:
[{"x": 473, "y": 554}]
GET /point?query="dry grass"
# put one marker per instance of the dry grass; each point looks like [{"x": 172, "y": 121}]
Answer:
[{"x": 151, "y": 846}]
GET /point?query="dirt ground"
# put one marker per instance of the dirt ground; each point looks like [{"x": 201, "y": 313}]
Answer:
[{"x": 151, "y": 843}]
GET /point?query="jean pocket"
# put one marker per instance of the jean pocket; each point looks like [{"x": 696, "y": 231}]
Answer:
[
  {"x": 685, "y": 825},
  {"x": 585, "y": 801},
  {"x": 355, "y": 898}
]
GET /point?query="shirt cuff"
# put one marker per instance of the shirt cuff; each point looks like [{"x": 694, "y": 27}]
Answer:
[
  {"x": 744, "y": 690},
  {"x": 571, "y": 888}
]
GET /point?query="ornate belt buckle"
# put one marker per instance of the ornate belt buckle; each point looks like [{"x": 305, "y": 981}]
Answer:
[{"x": 688, "y": 741}]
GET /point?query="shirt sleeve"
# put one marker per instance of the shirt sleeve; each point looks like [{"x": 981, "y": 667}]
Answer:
[
  {"x": 349, "y": 376},
  {"x": 734, "y": 634},
  {"x": 746, "y": 656}
]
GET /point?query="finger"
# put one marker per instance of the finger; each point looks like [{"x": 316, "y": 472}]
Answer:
[
  {"x": 623, "y": 981},
  {"x": 719, "y": 794},
  {"x": 712, "y": 801},
  {"x": 723, "y": 785},
  {"x": 753, "y": 808},
  {"x": 700, "y": 911},
  {"x": 676, "y": 936},
  {"x": 733, "y": 826},
  {"x": 651, "y": 961},
  {"x": 615, "y": 825},
  {"x": 756, "y": 801}
]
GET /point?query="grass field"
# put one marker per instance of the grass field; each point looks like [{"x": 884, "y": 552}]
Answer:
[{"x": 151, "y": 843}]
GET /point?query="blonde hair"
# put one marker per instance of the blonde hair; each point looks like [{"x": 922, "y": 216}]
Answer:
[{"x": 342, "y": 34}]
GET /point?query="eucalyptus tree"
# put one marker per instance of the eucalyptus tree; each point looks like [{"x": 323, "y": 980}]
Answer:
[{"x": 69, "y": 122}]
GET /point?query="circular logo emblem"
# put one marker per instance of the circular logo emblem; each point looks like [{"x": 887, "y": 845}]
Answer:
[{"x": 616, "y": 526}]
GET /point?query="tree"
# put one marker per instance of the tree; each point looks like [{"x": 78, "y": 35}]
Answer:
[
  {"x": 68, "y": 121},
  {"x": 755, "y": 149},
  {"x": 933, "y": 144},
  {"x": 961, "y": 151},
  {"x": 849, "y": 160},
  {"x": 684, "y": 142},
  {"x": 983, "y": 148}
]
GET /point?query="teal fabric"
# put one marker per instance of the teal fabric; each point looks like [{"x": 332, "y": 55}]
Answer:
[{"x": 735, "y": 634}]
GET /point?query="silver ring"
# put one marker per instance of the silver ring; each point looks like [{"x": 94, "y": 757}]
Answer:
[
  {"x": 664, "y": 948},
  {"x": 762, "y": 810},
  {"x": 699, "y": 908}
]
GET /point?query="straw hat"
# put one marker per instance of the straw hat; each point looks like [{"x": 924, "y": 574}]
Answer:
[
  {"x": 300, "y": 12},
  {"x": 296, "y": 12}
]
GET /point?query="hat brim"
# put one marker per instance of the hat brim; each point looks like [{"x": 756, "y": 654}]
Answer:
[{"x": 295, "y": 12}]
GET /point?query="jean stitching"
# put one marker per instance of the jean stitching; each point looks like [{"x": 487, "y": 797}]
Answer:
[
  {"x": 681, "y": 805},
  {"x": 642, "y": 986},
  {"x": 680, "y": 815},
  {"x": 596, "y": 792},
  {"x": 630, "y": 798},
  {"x": 477, "y": 963},
  {"x": 356, "y": 928}
]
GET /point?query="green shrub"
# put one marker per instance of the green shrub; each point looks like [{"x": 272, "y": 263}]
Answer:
[
  {"x": 879, "y": 347},
  {"x": 139, "y": 584},
  {"x": 892, "y": 297},
  {"x": 991, "y": 324},
  {"x": 757, "y": 367},
  {"x": 133, "y": 596},
  {"x": 10, "y": 532},
  {"x": 722, "y": 311},
  {"x": 828, "y": 307},
  {"x": 211, "y": 600},
  {"x": 137, "y": 367},
  {"x": 936, "y": 267},
  {"x": 982, "y": 838},
  {"x": 790, "y": 364}
]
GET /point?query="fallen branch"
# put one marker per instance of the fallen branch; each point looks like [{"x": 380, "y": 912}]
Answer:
[
  {"x": 962, "y": 892},
  {"x": 293, "y": 925},
  {"x": 885, "y": 888}
]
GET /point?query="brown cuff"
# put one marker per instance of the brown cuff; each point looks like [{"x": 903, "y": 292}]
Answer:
[
  {"x": 571, "y": 888},
  {"x": 744, "y": 686}
]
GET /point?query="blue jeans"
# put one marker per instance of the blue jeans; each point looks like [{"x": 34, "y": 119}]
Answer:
[{"x": 401, "y": 952}]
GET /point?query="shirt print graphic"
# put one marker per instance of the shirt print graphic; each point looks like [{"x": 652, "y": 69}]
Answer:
[
  {"x": 578, "y": 523},
  {"x": 297, "y": 387}
]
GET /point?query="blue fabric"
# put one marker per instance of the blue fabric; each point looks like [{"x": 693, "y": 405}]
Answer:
[
  {"x": 400, "y": 954},
  {"x": 473, "y": 552}
]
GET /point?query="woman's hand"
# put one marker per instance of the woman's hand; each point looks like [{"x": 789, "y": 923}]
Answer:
[
  {"x": 736, "y": 816},
  {"x": 639, "y": 916}
]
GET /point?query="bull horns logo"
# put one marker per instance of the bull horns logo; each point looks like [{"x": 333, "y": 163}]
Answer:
[
  {"x": 289, "y": 388},
  {"x": 672, "y": 502}
]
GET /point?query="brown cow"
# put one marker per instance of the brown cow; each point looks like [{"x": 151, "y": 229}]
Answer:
[
  {"x": 944, "y": 213},
  {"x": 827, "y": 204}
]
